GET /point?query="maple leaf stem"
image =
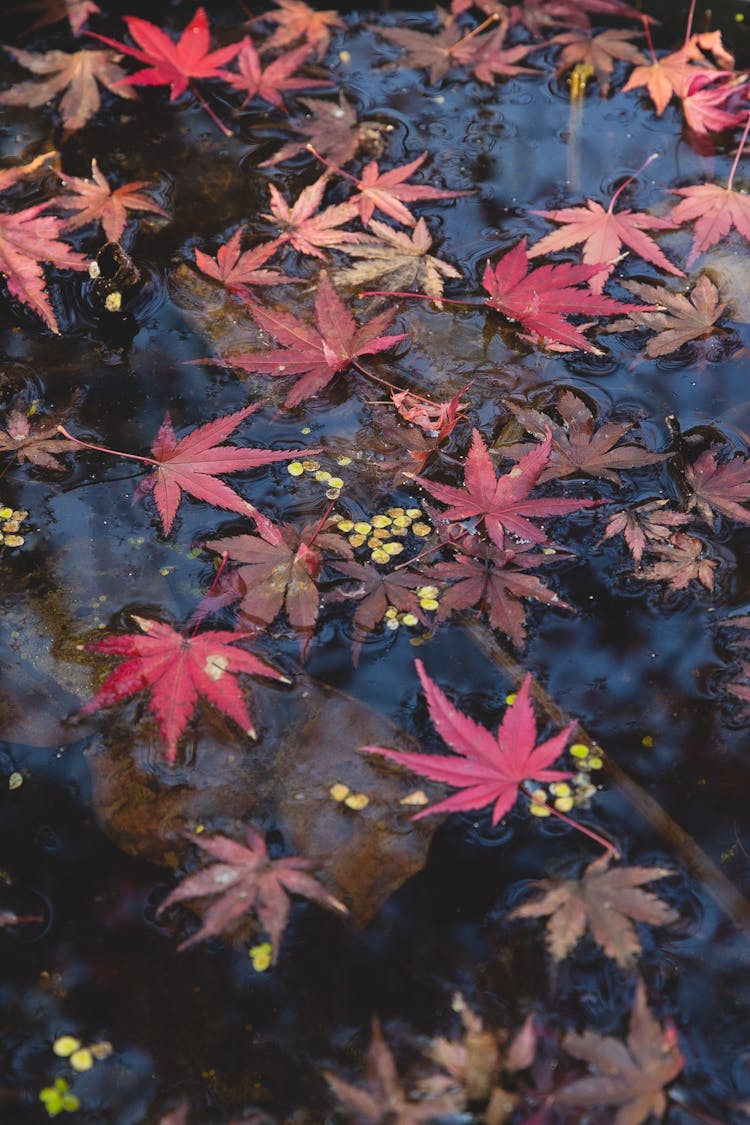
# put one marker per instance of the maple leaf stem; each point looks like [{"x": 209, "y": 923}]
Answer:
[
  {"x": 322, "y": 523},
  {"x": 333, "y": 167},
  {"x": 649, "y": 160},
  {"x": 649, "y": 40},
  {"x": 216, "y": 120},
  {"x": 419, "y": 296},
  {"x": 494, "y": 18},
  {"x": 689, "y": 25},
  {"x": 103, "y": 449},
  {"x": 377, "y": 379},
  {"x": 606, "y": 844},
  {"x": 199, "y": 614},
  {"x": 738, "y": 154}
]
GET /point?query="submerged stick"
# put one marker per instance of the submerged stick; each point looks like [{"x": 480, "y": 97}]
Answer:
[{"x": 721, "y": 889}]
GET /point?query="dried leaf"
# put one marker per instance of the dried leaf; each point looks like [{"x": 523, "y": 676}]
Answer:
[
  {"x": 684, "y": 317},
  {"x": 606, "y": 902},
  {"x": 77, "y": 74},
  {"x": 397, "y": 259}
]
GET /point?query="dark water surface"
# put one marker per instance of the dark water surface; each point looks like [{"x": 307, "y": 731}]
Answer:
[{"x": 645, "y": 671}]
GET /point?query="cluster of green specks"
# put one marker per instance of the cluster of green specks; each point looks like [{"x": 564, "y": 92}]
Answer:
[
  {"x": 10, "y": 525},
  {"x": 58, "y": 1099},
  {"x": 384, "y": 533},
  {"x": 563, "y": 796},
  {"x": 333, "y": 484}
]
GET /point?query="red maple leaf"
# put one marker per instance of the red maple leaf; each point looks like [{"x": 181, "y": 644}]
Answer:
[
  {"x": 316, "y": 353},
  {"x": 94, "y": 200},
  {"x": 306, "y": 228},
  {"x": 542, "y": 298},
  {"x": 386, "y": 191},
  {"x": 644, "y": 525},
  {"x": 271, "y": 81},
  {"x": 169, "y": 63},
  {"x": 281, "y": 566},
  {"x": 246, "y": 878},
  {"x": 438, "y": 419},
  {"x": 714, "y": 209},
  {"x": 177, "y": 669},
  {"x": 236, "y": 269},
  {"x": 192, "y": 465},
  {"x": 502, "y": 502},
  {"x": 603, "y": 234},
  {"x": 489, "y": 768}
]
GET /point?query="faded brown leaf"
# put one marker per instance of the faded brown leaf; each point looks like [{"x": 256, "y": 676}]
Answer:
[
  {"x": 606, "y": 902},
  {"x": 398, "y": 259},
  {"x": 685, "y": 317}
]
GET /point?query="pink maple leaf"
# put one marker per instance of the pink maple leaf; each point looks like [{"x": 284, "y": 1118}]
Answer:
[
  {"x": 306, "y": 228},
  {"x": 246, "y": 878},
  {"x": 236, "y": 268},
  {"x": 488, "y": 769},
  {"x": 273, "y": 80},
  {"x": 94, "y": 199}
]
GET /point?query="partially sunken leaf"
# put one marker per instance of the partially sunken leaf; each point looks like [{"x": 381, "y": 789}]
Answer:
[
  {"x": 579, "y": 445},
  {"x": 719, "y": 487},
  {"x": 333, "y": 130},
  {"x": 486, "y": 769},
  {"x": 599, "y": 52},
  {"x": 397, "y": 259},
  {"x": 77, "y": 74},
  {"x": 683, "y": 560},
  {"x": 296, "y": 20},
  {"x": 541, "y": 299},
  {"x": 502, "y": 502},
  {"x": 383, "y": 1098},
  {"x": 606, "y": 901},
  {"x": 630, "y": 1076},
  {"x": 644, "y": 525},
  {"x": 35, "y": 440},
  {"x": 316, "y": 353},
  {"x": 94, "y": 200},
  {"x": 280, "y": 568},
  {"x": 682, "y": 317},
  {"x": 177, "y": 669},
  {"x": 246, "y": 878}
]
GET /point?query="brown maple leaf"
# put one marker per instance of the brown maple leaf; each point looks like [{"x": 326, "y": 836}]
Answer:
[
  {"x": 246, "y": 878},
  {"x": 436, "y": 53},
  {"x": 716, "y": 487},
  {"x": 94, "y": 200},
  {"x": 375, "y": 592},
  {"x": 296, "y": 20},
  {"x": 672, "y": 74},
  {"x": 490, "y": 57},
  {"x": 280, "y": 567},
  {"x": 399, "y": 258},
  {"x": 683, "y": 559},
  {"x": 36, "y": 440},
  {"x": 645, "y": 524},
  {"x": 383, "y": 1098},
  {"x": 606, "y": 901},
  {"x": 628, "y": 1076},
  {"x": 578, "y": 445},
  {"x": 77, "y": 74},
  {"x": 491, "y": 581},
  {"x": 334, "y": 132},
  {"x": 76, "y": 12},
  {"x": 599, "y": 52},
  {"x": 306, "y": 228},
  {"x": 685, "y": 317}
]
